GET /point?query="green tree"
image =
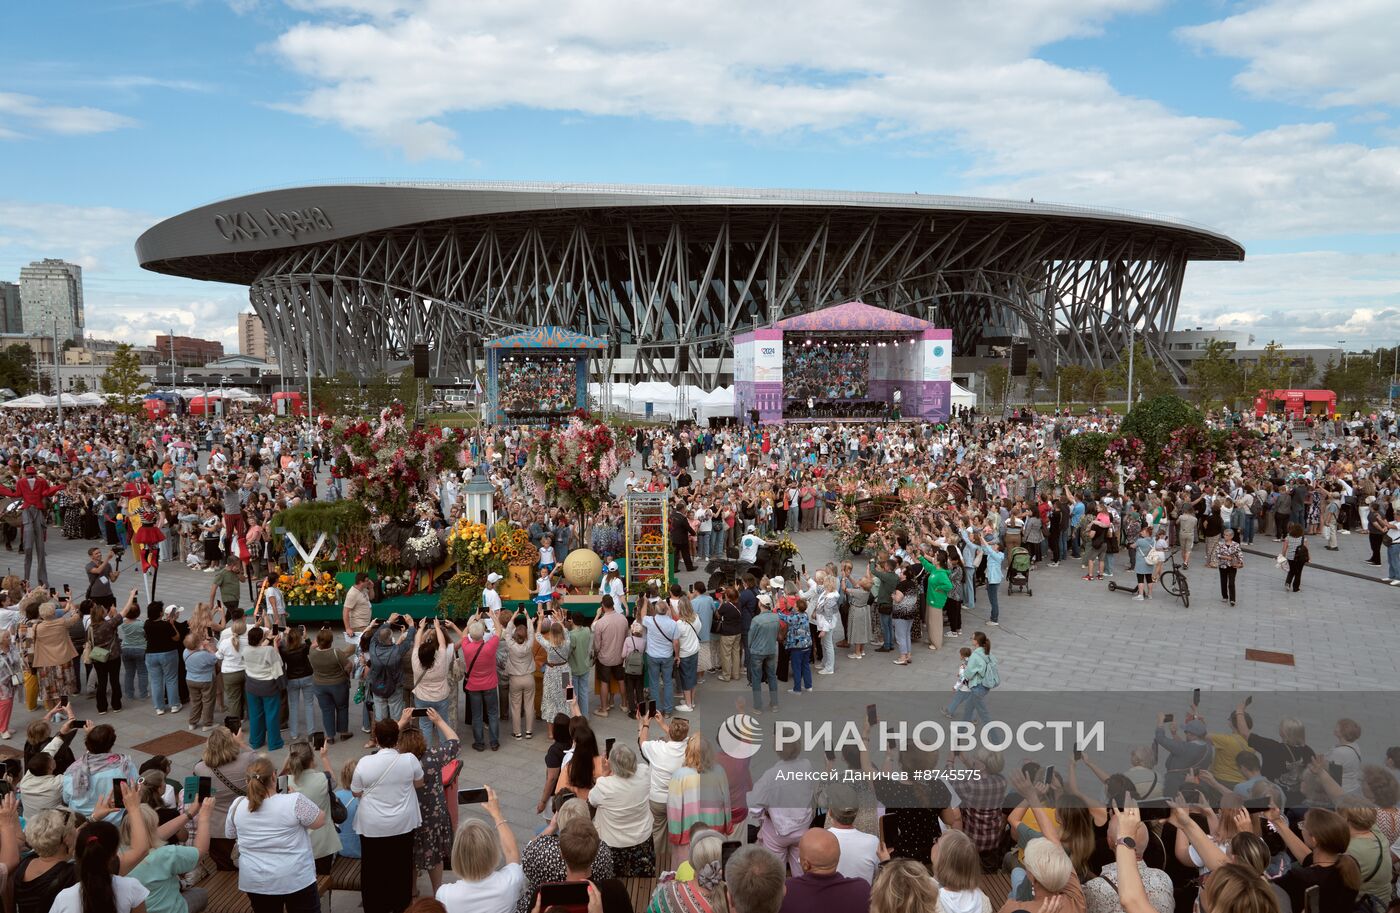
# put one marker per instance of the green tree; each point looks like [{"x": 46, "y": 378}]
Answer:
[
  {"x": 1032, "y": 379},
  {"x": 1149, "y": 377},
  {"x": 1305, "y": 375},
  {"x": 1214, "y": 377},
  {"x": 123, "y": 377},
  {"x": 1271, "y": 372},
  {"x": 1094, "y": 386},
  {"x": 1153, "y": 421},
  {"x": 1071, "y": 379},
  {"x": 79, "y": 385},
  {"x": 998, "y": 384},
  {"x": 17, "y": 369}
]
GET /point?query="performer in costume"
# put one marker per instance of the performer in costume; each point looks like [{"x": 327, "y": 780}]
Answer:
[{"x": 34, "y": 490}]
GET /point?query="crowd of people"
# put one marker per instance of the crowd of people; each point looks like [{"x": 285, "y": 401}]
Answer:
[
  {"x": 537, "y": 385},
  {"x": 825, "y": 370},
  {"x": 1255, "y": 821}
]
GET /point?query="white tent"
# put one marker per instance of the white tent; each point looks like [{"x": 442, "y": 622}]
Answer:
[
  {"x": 32, "y": 401},
  {"x": 664, "y": 398},
  {"x": 89, "y": 399},
  {"x": 961, "y": 396},
  {"x": 238, "y": 394},
  {"x": 718, "y": 403}
]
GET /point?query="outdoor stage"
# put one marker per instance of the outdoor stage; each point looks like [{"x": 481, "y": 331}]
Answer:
[{"x": 850, "y": 362}]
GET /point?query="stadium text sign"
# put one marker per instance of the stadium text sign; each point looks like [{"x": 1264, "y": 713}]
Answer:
[{"x": 249, "y": 225}]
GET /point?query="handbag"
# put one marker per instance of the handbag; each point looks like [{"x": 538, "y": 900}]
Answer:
[{"x": 338, "y": 810}]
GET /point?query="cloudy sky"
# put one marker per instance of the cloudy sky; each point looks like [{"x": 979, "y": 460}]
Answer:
[{"x": 1274, "y": 121}]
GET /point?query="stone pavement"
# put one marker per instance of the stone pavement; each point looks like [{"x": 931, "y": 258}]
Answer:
[{"x": 1071, "y": 635}]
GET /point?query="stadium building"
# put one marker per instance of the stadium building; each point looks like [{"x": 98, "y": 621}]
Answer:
[{"x": 349, "y": 277}]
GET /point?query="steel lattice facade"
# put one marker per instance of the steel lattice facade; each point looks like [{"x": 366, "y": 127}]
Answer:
[{"x": 668, "y": 275}]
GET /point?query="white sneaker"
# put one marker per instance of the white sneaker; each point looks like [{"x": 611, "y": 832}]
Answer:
[
  {"x": 175, "y": 709},
  {"x": 684, "y": 708},
  {"x": 1395, "y": 583},
  {"x": 994, "y": 623},
  {"x": 1138, "y": 597},
  {"x": 160, "y": 713},
  {"x": 826, "y": 671},
  {"x": 1386, "y": 580}
]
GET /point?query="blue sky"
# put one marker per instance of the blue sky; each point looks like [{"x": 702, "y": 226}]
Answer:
[{"x": 1273, "y": 121}]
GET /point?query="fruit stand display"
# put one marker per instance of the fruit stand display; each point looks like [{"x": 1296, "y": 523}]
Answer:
[{"x": 648, "y": 538}]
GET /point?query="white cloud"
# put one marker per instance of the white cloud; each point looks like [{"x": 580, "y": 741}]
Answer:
[
  {"x": 98, "y": 237},
  {"x": 1320, "y": 52},
  {"x": 121, "y": 300},
  {"x": 1315, "y": 296},
  {"x": 21, "y": 115},
  {"x": 963, "y": 74}
]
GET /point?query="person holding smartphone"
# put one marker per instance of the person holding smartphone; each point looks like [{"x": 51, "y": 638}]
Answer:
[
  {"x": 315, "y": 783},
  {"x": 387, "y": 784},
  {"x": 276, "y": 868},
  {"x": 432, "y": 663},
  {"x": 484, "y": 885}
]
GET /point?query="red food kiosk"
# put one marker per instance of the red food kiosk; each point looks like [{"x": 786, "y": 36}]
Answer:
[
  {"x": 288, "y": 403},
  {"x": 1296, "y": 403}
]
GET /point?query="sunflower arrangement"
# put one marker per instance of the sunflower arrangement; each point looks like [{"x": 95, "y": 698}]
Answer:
[
  {"x": 512, "y": 544},
  {"x": 308, "y": 588}
]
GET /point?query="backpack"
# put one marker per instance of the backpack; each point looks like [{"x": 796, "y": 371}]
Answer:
[
  {"x": 991, "y": 676},
  {"x": 635, "y": 662}
]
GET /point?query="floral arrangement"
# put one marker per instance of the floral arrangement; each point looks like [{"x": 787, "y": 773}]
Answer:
[
  {"x": 476, "y": 555},
  {"x": 512, "y": 543},
  {"x": 390, "y": 465},
  {"x": 306, "y": 588},
  {"x": 845, "y": 529},
  {"x": 783, "y": 547},
  {"x": 574, "y": 467},
  {"x": 395, "y": 584},
  {"x": 423, "y": 551}
]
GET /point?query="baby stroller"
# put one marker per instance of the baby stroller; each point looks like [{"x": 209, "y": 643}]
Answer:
[{"x": 1020, "y": 573}]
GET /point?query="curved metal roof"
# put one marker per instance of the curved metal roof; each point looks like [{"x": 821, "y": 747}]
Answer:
[{"x": 224, "y": 240}]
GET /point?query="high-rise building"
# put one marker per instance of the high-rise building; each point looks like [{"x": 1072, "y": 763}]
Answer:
[
  {"x": 252, "y": 336},
  {"x": 11, "y": 320},
  {"x": 52, "y": 290},
  {"x": 188, "y": 350}
]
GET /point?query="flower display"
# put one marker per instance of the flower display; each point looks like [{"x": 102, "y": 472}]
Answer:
[
  {"x": 574, "y": 466},
  {"x": 303, "y": 587},
  {"x": 390, "y": 465}
]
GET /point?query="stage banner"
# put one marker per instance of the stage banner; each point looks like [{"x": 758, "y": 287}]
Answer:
[
  {"x": 768, "y": 357},
  {"x": 937, "y": 346}
]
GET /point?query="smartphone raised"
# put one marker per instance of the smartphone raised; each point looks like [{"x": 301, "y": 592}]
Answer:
[
  {"x": 830, "y": 755},
  {"x": 118, "y": 793},
  {"x": 1078, "y": 754},
  {"x": 1196, "y": 697},
  {"x": 870, "y": 715},
  {"x": 569, "y": 693},
  {"x": 1050, "y": 775},
  {"x": 608, "y": 746},
  {"x": 233, "y": 724},
  {"x": 79, "y": 724},
  {"x": 284, "y": 784},
  {"x": 1168, "y": 717},
  {"x": 727, "y": 849},
  {"x": 318, "y": 741},
  {"x": 572, "y": 894},
  {"x": 419, "y": 712},
  {"x": 63, "y": 701},
  {"x": 651, "y": 709},
  {"x": 206, "y": 788},
  {"x": 473, "y": 796}
]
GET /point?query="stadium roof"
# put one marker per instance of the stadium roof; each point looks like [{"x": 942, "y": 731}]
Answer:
[{"x": 230, "y": 240}]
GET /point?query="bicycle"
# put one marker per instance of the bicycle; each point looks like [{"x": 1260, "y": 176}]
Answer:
[{"x": 1173, "y": 581}]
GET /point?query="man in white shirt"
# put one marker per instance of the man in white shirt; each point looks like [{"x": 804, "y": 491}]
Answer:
[
  {"x": 860, "y": 852},
  {"x": 491, "y": 597},
  {"x": 749, "y": 545},
  {"x": 386, "y": 783}
]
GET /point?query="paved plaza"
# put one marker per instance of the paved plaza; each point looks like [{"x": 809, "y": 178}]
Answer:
[{"x": 1070, "y": 635}]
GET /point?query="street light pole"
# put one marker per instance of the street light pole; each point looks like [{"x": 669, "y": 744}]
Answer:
[
  {"x": 57, "y": 381},
  {"x": 1132, "y": 344}
]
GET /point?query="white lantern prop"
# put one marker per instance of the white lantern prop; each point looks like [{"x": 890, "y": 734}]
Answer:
[{"x": 481, "y": 499}]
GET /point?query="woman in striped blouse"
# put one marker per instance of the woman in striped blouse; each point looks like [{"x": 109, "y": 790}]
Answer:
[{"x": 1229, "y": 558}]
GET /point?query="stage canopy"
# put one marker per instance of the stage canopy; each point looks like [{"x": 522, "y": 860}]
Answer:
[
  {"x": 547, "y": 338},
  {"x": 853, "y": 316},
  {"x": 538, "y": 375},
  {"x": 850, "y": 361}
]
